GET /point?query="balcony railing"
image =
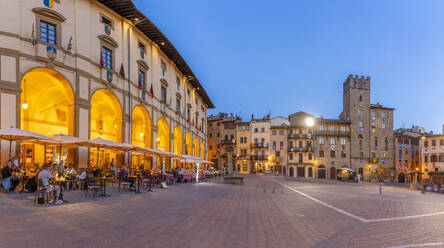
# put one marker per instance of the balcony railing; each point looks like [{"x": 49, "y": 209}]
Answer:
[
  {"x": 299, "y": 136},
  {"x": 300, "y": 149},
  {"x": 332, "y": 133},
  {"x": 259, "y": 145},
  {"x": 258, "y": 158},
  {"x": 228, "y": 142}
]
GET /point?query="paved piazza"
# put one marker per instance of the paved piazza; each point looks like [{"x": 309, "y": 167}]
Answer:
[{"x": 266, "y": 212}]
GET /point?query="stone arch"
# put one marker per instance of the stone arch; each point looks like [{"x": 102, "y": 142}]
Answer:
[
  {"x": 196, "y": 147},
  {"x": 202, "y": 150},
  {"x": 141, "y": 127},
  {"x": 178, "y": 141},
  {"x": 47, "y": 102},
  {"x": 106, "y": 116},
  {"x": 321, "y": 172},
  {"x": 163, "y": 135},
  {"x": 46, "y": 107},
  {"x": 188, "y": 144}
]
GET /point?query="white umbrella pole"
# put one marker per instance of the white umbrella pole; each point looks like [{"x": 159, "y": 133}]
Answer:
[{"x": 10, "y": 145}]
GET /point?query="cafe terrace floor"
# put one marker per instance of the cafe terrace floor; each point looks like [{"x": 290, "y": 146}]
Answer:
[{"x": 267, "y": 211}]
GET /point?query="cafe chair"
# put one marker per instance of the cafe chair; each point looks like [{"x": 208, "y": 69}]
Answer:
[
  {"x": 93, "y": 186},
  {"x": 41, "y": 196},
  {"x": 124, "y": 182}
]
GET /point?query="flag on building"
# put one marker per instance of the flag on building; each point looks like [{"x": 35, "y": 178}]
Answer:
[
  {"x": 122, "y": 71},
  {"x": 151, "y": 90},
  {"x": 69, "y": 48},
  {"x": 48, "y": 3},
  {"x": 101, "y": 60},
  {"x": 33, "y": 38}
]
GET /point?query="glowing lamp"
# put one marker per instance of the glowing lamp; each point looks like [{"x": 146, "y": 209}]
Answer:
[
  {"x": 25, "y": 105},
  {"x": 158, "y": 139},
  {"x": 309, "y": 122},
  {"x": 141, "y": 134}
]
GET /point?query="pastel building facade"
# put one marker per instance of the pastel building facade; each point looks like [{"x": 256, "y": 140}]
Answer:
[{"x": 96, "y": 68}]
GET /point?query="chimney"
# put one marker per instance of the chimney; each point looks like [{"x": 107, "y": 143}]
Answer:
[
  {"x": 231, "y": 115},
  {"x": 252, "y": 116},
  {"x": 225, "y": 116}
]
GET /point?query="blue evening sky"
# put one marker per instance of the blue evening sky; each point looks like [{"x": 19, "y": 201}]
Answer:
[{"x": 283, "y": 56}]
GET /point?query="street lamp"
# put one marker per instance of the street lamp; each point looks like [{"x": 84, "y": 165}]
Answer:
[{"x": 309, "y": 121}]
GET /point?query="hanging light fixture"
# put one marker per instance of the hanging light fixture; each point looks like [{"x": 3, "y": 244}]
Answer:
[{"x": 25, "y": 104}]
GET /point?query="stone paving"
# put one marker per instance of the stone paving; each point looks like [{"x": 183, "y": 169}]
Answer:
[{"x": 267, "y": 211}]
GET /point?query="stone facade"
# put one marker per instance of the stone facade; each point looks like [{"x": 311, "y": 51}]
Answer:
[
  {"x": 371, "y": 130},
  {"x": 86, "y": 50},
  {"x": 407, "y": 157}
]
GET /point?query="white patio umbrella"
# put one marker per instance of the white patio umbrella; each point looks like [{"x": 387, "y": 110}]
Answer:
[
  {"x": 15, "y": 134},
  {"x": 107, "y": 144}
]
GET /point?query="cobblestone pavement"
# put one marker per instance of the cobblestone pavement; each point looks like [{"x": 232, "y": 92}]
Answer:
[{"x": 267, "y": 211}]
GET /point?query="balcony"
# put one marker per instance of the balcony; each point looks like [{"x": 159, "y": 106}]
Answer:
[
  {"x": 244, "y": 156},
  {"x": 299, "y": 136},
  {"x": 332, "y": 133},
  {"x": 228, "y": 142},
  {"x": 300, "y": 149},
  {"x": 258, "y": 158},
  {"x": 259, "y": 145}
]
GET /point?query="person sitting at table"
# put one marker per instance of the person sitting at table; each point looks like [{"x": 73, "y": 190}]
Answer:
[
  {"x": 97, "y": 172},
  {"x": 6, "y": 176},
  {"x": 114, "y": 168},
  {"x": 60, "y": 168},
  {"x": 123, "y": 172},
  {"x": 71, "y": 172},
  {"x": 44, "y": 177}
]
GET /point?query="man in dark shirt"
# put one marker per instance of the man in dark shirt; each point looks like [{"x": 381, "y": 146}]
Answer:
[{"x": 6, "y": 176}]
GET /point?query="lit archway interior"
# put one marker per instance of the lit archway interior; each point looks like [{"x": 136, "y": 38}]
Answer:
[
  {"x": 188, "y": 144},
  {"x": 163, "y": 135},
  {"x": 196, "y": 147},
  {"x": 202, "y": 150},
  {"x": 163, "y": 140},
  {"x": 106, "y": 123},
  {"x": 178, "y": 144},
  {"x": 141, "y": 136},
  {"x": 106, "y": 116},
  {"x": 178, "y": 141},
  {"x": 47, "y": 108},
  {"x": 141, "y": 128}
]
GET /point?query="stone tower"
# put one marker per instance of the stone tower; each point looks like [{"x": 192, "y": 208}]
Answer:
[{"x": 356, "y": 109}]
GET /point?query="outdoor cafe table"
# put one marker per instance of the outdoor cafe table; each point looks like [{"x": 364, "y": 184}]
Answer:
[
  {"x": 59, "y": 182},
  {"x": 187, "y": 176},
  {"x": 104, "y": 179},
  {"x": 169, "y": 177}
]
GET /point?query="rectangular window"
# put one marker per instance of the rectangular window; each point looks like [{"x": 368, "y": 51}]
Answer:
[
  {"x": 342, "y": 141},
  {"x": 342, "y": 128},
  {"x": 433, "y": 142},
  {"x": 48, "y": 32},
  {"x": 332, "y": 154},
  {"x": 441, "y": 142},
  {"x": 321, "y": 128},
  {"x": 281, "y": 132},
  {"x": 321, "y": 153},
  {"x": 178, "y": 83},
  {"x": 321, "y": 140},
  {"x": 291, "y": 156},
  {"x": 343, "y": 154},
  {"x": 383, "y": 125},
  {"x": 178, "y": 105},
  {"x": 107, "y": 56},
  {"x": 163, "y": 67},
  {"x": 426, "y": 158},
  {"x": 273, "y": 132},
  {"x": 332, "y": 141},
  {"x": 163, "y": 94},
  {"x": 142, "y": 50},
  {"x": 310, "y": 156},
  {"x": 332, "y": 128},
  {"x": 426, "y": 144}
]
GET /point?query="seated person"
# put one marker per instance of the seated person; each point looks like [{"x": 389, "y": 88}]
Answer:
[
  {"x": 44, "y": 177},
  {"x": 123, "y": 172},
  {"x": 97, "y": 172}
]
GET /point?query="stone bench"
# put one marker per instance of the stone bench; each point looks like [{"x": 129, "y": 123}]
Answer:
[{"x": 234, "y": 180}]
